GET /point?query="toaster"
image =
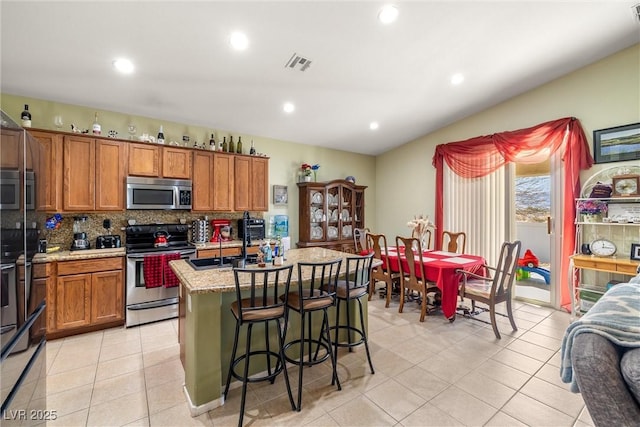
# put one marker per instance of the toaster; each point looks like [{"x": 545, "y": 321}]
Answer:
[{"x": 108, "y": 241}]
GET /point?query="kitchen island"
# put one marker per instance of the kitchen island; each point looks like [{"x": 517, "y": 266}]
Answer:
[{"x": 206, "y": 325}]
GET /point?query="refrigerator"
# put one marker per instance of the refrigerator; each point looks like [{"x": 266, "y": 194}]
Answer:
[{"x": 22, "y": 305}]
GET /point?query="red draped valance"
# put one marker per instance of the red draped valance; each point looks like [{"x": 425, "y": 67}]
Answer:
[{"x": 530, "y": 145}]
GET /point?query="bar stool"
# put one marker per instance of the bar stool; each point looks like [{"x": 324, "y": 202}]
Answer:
[
  {"x": 354, "y": 287},
  {"x": 314, "y": 279},
  {"x": 263, "y": 305}
]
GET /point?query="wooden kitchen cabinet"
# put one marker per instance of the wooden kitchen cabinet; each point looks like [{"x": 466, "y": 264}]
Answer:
[
  {"x": 176, "y": 163},
  {"x": 40, "y": 276},
  {"x": 110, "y": 175},
  {"x": 251, "y": 183},
  {"x": 223, "y": 179},
  {"x": 86, "y": 295},
  {"x": 79, "y": 165},
  {"x": 93, "y": 174},
  {"x": 49, "y": 164},
  {"x": 11, "y": 148},
  {"x": 203, "y": 178},
  {"x": 156, "y": 161},
  {"x": 144, "y": 160}
]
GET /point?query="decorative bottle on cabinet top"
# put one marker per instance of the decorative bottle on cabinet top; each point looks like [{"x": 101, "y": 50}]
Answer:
[
  {"x": 252, "y": 151},
  {"x": 239, "y": 146},
  {"x": 26, "y": 117},
  {"x": 212, "y": 143},
  {"x": 224, "y": 144},
  {"x": 232, "y": 146},
  {"x": 160, "y": 136},
  {"x": 97, "y": 129}
]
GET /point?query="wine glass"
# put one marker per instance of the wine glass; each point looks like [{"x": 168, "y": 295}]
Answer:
[
  {"x": 132, "y": 131},
  {"x": 57, "y": 120}
]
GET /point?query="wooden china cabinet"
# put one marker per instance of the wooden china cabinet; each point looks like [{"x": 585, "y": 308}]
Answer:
[{"x": 329, "y": 212}]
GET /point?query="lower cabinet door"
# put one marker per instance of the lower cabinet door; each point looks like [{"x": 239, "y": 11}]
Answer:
[
  {"x": 73, "y": 301},
  {"x": 106, "y": 297}
]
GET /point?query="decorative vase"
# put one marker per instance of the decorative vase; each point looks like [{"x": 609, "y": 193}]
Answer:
[{"x": 306, "y": 178}]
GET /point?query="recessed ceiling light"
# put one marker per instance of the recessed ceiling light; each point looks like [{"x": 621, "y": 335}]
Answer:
[
  {"x": 123, "y": 65},
  {"x": 288, "y": 107},
  {"x": 456, "y": 79},
  {"x": 374, "y": 125},
  {"x": 388, "y": 14},
  {"x": 239, "y": 41}
]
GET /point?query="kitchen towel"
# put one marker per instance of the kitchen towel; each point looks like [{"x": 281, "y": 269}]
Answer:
[
  {"x": 170, "y": 279},
  {"x": 152, "y": 270}
]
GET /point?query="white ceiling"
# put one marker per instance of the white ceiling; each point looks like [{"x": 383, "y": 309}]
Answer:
[{"x": 361, "y": 71}]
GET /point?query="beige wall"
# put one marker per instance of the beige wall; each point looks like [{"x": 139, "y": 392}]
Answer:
[
  {"x": 286, "y": 157},
  {"x": 601, "y": 95}
]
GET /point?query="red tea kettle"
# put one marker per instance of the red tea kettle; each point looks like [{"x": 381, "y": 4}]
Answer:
[{"x": 161, "y": 239}]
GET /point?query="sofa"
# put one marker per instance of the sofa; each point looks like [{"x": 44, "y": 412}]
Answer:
[{"x": 601, "y": 357}]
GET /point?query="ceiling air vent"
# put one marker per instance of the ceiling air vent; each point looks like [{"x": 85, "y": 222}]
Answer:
[
  {"x": 298, "y": 62},
  {"x": 636, "y": 11}
]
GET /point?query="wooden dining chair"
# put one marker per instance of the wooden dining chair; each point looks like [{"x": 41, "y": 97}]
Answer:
[
  {"x": 360, "y": 239},
  {"x": 494, "y": 287},
  {"x": 454, "y": 242},
  {"x": 382, "y": 273},
  {"x": 412, "y": 275}
]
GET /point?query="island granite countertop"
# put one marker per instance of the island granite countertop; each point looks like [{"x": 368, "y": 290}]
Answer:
[
  {"x": 222, "y": 279},
  {"x": 78, "y": 255}
]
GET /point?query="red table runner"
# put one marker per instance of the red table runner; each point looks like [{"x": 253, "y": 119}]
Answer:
[{"x": 439, "y": 267}]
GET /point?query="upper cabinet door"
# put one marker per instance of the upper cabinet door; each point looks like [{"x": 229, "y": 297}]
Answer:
[
  {"x": 11, "y": 148},
  {"x": 203, "y": 181},
  {"x": 223, "y": 182},
  {"x": 48, "y": 167},
  {"x": 110, "y": 175},
  {"x": 259, "y": 184},
  {"x": 144, "y": 160},
  {"x": 243, "y": 184},
  {"x": 79, "y": 173},
  {"x": 176, "y": 163}
]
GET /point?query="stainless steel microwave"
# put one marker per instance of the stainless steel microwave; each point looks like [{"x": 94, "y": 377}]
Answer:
[
  {"x": 10, "y": 190},
  {"x": 156, "y": 193}
]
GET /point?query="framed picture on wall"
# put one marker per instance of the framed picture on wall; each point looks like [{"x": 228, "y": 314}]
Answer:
[
  {"x": 280, "y": 195},
  {"x": 635, "y": 251},
  {"x": 617, "y": 144}
]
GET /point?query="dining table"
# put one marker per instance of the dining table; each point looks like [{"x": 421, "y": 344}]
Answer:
[{"x": 441, "y": 268}]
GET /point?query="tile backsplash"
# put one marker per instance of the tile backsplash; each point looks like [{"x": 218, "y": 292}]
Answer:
[{"x": 63, "y": 236}]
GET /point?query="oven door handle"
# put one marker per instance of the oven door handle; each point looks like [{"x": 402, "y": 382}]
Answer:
[{"x": 141, "y": 256}]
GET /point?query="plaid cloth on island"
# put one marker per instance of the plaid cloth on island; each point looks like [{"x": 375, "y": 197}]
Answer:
[
  {"x": 170, "y": 279},
  {"x": 615, "y": 316},
  {"x": 152, "y": 270}
]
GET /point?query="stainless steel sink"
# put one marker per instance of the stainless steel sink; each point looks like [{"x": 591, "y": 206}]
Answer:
[{"x": 218, "y": 262}]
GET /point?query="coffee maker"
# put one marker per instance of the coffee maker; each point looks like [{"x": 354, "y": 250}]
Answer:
[{"x": 80, "y": 240}]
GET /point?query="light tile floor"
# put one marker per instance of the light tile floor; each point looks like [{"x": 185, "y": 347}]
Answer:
[{"x": 434, "y": 373}]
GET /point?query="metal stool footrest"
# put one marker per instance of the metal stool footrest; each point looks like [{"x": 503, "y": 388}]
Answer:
[
  {"x": 253, "y": 379},
  {"x": 349, "y": 329},
  {"x": 308, "y": 343}
]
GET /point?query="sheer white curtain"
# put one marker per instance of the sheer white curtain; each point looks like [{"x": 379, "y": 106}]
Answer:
[{"x": 481, "y": 207}]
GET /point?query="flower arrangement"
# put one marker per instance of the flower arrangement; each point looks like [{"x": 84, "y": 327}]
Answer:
[
  {"x": 307, "y": 169},
  {"x": 592, "y": 207},
  {"x": 420, "y": 224}
]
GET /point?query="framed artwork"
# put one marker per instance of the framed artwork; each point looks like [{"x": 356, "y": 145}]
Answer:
[
  {"x": 280, "y": 195},
  {"x": 617, "y": 144},
  {"x": 635, "y": 251}
]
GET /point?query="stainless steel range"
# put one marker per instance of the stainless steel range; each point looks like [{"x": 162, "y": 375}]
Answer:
[{"x": 144, "y": 243}]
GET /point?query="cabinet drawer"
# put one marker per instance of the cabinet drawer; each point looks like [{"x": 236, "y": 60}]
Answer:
[
  {"x": 41, "y": 270},
  {"x": 90, "y": 266},
  {"x": 627, "y": 269},
  {"x": 595, "y": 264},
  {"x": 208, "y": 253}
]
